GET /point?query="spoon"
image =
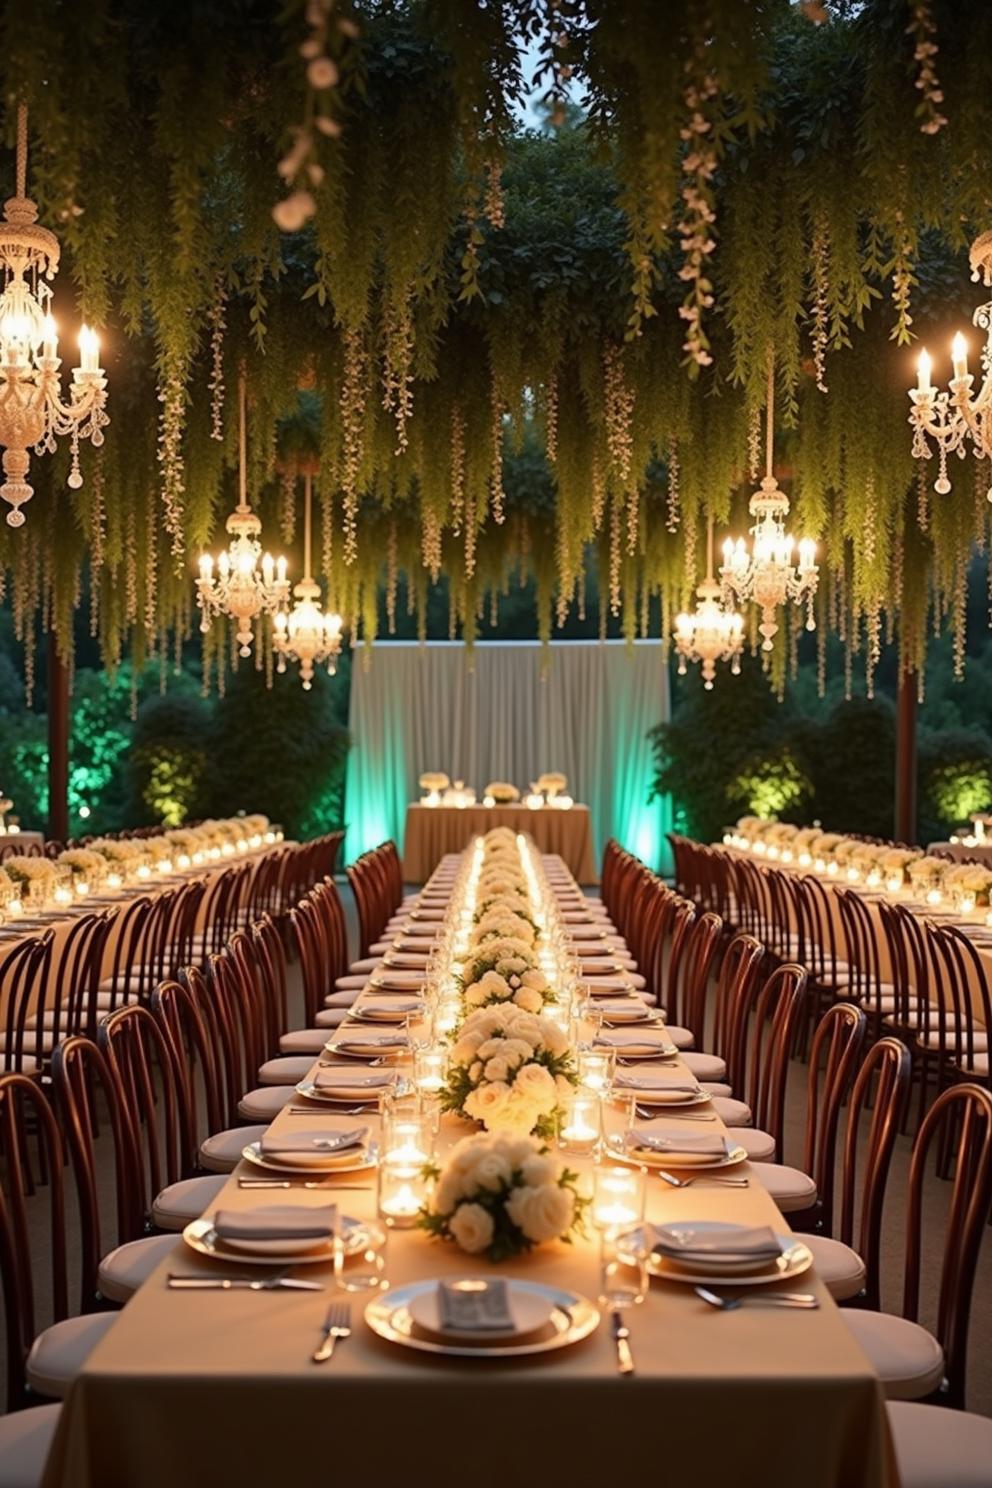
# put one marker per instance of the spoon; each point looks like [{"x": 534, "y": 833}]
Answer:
[
  {"x": 803, "y": 1300},
  {"x": 702, "y": 1178}
]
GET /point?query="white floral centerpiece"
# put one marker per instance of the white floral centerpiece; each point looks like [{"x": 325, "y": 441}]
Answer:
[
  {"x": 552, "y": 783},
  {"x": 927, "y": 874},
  {"x": 85, "y": 865},
  {"x": 124, "y": 855},
  {"x": 8, "y": 889},
  {"x": 501, "y": 792},
  {"x": 778, "y": 839},
  {"x": 751, "y": 827},
  {"x": 509, "y": 1068},
  {"x": 504, "y": 971},
  {"x": 500, "y": 1196},
  {"x": 36, "y": 878},
  {"x": 503, "y": 923},
  {"x": 968, "y": 884}
]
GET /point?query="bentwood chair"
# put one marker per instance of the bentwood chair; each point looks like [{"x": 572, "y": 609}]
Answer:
[
  {"x": 152, "y": 1095},
  {"x": 912, "y": 1363},
  {"x": 24, "y": 987},
  {"x": 86, "y": 1088},
  {"x": 882, "y": 1085},
  {"x": 41, "y": 1365}
]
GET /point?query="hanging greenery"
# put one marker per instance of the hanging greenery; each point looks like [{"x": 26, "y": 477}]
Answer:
[{"x": 525, "y": 352}]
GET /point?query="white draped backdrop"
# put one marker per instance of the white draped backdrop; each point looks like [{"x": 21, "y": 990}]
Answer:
[{"x": 509, "y": 711}]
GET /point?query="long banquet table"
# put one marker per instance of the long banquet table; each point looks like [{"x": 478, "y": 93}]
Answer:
[
  {"x": 432, "y": 832},
  {"x": 217, "y": 1388}
]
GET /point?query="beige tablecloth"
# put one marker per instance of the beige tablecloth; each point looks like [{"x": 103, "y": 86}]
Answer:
[
  {"x": 216, "y": 1388},
  {"x": 979, "y": 852},
  {"x": 433, "y": 831}
]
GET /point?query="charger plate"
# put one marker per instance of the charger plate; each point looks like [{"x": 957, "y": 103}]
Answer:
[{"x": 573, "y": 1317}]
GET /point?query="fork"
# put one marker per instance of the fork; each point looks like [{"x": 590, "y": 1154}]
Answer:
[
  {"x": 296, "y": 1183},
  {"x": 701, "y": 1178},
  {"x": 656, "y": 1113},
  {"x": 332, "y": 1110},
  {"x": 806, "y": 1301},
  {"x": 337, "y": 1325}
]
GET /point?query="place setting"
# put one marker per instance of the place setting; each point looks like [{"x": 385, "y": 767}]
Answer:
[
  {"x": 339, "y": 1148},
  {"x": 272, "y": 1235}
]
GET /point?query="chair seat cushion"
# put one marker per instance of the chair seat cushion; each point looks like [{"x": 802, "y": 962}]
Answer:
[
  {"x": 840, "y": 1268},
  {"x": 105, "y": 1003},
  {"x": 706, "y": 1066},
  {"x": 25, "y": 1439},
  {"x": 345, "y": 999},
  {"x": 57, "y": 1355},
  {"x": 932, "y": 1040},
  {"x": 182, "y": 1202},
  {"x": 935, "y": 1448},
  {"x": 285, "y": 1071},
  {"x": 330, "y": 1018},
  {"x": 908, "y": 1360},
  {"x": 265, "y": 1102},
  {"x": 380, "y": 948},
  {"x": 682, "y": 1038},
  {"x": 25, "y": 1065},
  {"x": 363, "y": 967},
  {"x": 717, "y": 1087},
  {"x": 303, "y": 1041},
  {"x": 732, "y": 1112},
  {"x": 221, "y": 1153},
  {"x": 759, "y": 1145},
  {"x": 345, "y": 984},
  {"x": 124, "y": 1269},
  {"x": 791, "y": 1189}
]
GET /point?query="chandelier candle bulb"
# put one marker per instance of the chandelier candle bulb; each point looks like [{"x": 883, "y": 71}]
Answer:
[
  {"x": 923, "y": 366},
  {"x": 959, "y": 357}
]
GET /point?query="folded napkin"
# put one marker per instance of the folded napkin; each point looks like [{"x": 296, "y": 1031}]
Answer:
[
  {"x": 693, "y": 1145},
  {"x": 655, "y": 1080},
  {"x": 484, "y": 1308},
  {"x": 276, "y": 1222},
  {"x": 606, "y": 986},
  {"x": 402, "y": 981},
  {"x": 368, "y": 1042},
  {"x": 295, "y": 1143},
  {"x": 757, "y": 1242},
  {"x": 343, "y": 1078},
  {"x": 389, "y": 1007},
  {"x": 632, "y": 1045}
]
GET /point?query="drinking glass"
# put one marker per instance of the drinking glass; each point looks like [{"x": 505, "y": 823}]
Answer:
[
  {"x": 581, "y": 1123},
  {"x": 623, "y": 1267},
  {"x": 360, "y": 1267},
  {"x": 618, "y": 1198}
]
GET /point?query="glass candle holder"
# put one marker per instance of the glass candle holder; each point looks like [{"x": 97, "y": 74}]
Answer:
[
  {"x": 429, "y": 1069},
  {"x": 361, "y": 1266},
  {"x": 596, "y": 1069},
  {"x": 623, "y": 1267},
  {"x": 403, "y": 1191},
  {"x": 618, "y": 1198},
  {"x": 581, "y": 1123}
]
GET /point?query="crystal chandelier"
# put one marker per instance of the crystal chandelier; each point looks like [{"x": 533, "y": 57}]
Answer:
[
  {"x": 711, "y": 633},
  {"x": 306, "y": 634},
  {"x": 32, "y": 413},
  {"x": 950, "y": 419},
  {"x": 248, "y": 583},
  {"x": 767, "y": 574}
]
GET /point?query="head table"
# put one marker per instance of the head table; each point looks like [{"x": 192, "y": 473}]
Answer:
[
  {"x": 432, "y": 832},
  {"x": 218, "y": 1388}
]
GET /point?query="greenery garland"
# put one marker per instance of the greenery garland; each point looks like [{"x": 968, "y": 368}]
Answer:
[{"x": 505, "y": 353}]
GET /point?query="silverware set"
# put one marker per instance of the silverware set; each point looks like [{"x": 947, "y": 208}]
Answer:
[
  {"x": 337, "y": 1326},
  {"x": 653, "y": 1113},
  {"x": 299, "y": 1183}
]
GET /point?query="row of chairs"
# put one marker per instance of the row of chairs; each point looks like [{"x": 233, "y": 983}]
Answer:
[
  {"x": 924, "y": 981},
  {"x": 857, "y": 1091}
]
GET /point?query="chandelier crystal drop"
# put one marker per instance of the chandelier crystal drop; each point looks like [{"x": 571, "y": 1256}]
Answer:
[
  {"x": 306, "y": 634},
  {"x": 712, "y": 632},
  {"x": 951, "y": 419},
  {"x": 768, "y": 574},
  {"x": 32, "y": 413},
  {"x": 248, "y": 583}
]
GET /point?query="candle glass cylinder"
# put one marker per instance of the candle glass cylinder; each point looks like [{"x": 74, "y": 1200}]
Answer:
[
  {"x": 618, "y": 1198},
  {"x": 623, "y": 1267},
  {"x": 429, "y": 1066},
  {"x": 596, "y": 1069},
  {"x": 581, "y": 1123},
  {"x": 403, "y": 1191},
  {"x": 360, "y": 1256}
]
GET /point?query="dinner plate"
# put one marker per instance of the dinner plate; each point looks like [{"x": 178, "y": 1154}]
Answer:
[
  {"x": 794, "y": 1260},
  {"x": 639, "y": 1054},
  {"x": 645, "y": 1097},
  {"x": 355, "y": 1095},
  {"x": 530, "y": 1311},
  {"x": 573, "y": 1317},
  {"x": 201, "y": 1236},
  {"x": 365, "y": 1049},
  {"x": 358, "y": 1161},
  {"x": 618, "y": 1017}
]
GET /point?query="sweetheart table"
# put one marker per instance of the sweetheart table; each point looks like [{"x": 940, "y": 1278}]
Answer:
[
  {"x": 431, "y": 832},
  {"x": 217, "y": 1388}
]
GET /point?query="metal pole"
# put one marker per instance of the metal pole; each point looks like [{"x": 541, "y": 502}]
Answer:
[
  {"x": 905, "y": 822},
  {"x": 58, "y": 743}
]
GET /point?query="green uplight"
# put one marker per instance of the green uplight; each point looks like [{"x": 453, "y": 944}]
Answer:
[
  {"x": 961, "y": 789},
  {"x": 773, "y": 786}
]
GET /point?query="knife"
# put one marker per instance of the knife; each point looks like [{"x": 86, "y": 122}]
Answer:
[
  {"x": 232, "y": 1283},
  {"x": 621, "y": 1336}
]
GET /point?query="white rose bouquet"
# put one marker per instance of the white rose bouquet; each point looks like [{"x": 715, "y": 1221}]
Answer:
[
  {"x": 969, "y": 879},
  {"x": 84, "y": 864},
  {"x": 501, "y": 1195},
  {"x": 499, "y": 837},
  {"x": 928, "y": 872},
  {"x": 508, "y": 1069},
  {"x": 503, "y": 924},
  {"x": 35, "y": 877},
  {"x": 502, "y": 791},
  {"x": 434, "y": 780},
  {"x": 528, "y": 989},
  {"x": 752, "y": 827}
]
